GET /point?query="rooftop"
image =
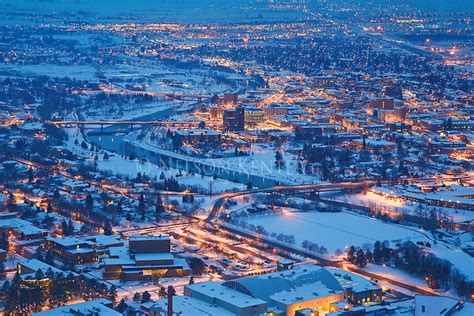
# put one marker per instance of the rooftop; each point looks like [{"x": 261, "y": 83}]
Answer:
[
  {"x": 185, "y": 305},
  {"x": 95, "y": 307}
]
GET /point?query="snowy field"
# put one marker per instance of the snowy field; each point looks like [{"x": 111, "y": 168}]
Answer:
[{"x": 334, "y": 230}]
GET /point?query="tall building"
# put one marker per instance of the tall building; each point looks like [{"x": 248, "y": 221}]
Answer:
[
  {"x": 382, "y": 103},
  {"x": 252, "y": 116},
  {"x": 233, "y": 120}
]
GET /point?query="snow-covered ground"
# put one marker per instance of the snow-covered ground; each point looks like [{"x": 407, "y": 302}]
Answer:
[
  {"x": 386, "y": 271},
  {"x": 261, "y": 164},
  {"x": 119, "y": 165},
  {"x": 335, "y": 231}
]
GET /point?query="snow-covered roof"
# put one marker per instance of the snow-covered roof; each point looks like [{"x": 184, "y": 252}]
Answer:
[
  {"x": 154, "y": 256},
  {"x": 36, "y": 265},
  {"x": 303, "y": 293},
  {"x": 96, "y": 307},
  {"x": 218, "y": 291},
  {"x": 351, "y": 280},
  {"x": 185, "y": 305},
  {"x": 265, "y": 286},
  {"x": 434, "y": 305},
  {"x": 21, "y": 226}
]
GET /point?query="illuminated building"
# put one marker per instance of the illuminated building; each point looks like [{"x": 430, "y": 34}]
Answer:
[
  {"x": 305, "y": 290},
  {"x": 146, "y": 258},
  {"x": 195, "y": 136},
  {"x": 70, "y": 249},
  {"x": 252, "y": 116}
]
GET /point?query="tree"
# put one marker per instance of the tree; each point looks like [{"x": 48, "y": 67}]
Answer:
[
  {"x": 137, "y": 297},
  {"x": 351, "y": 254},
  {"x": 305, "y": 244},
  {"x": 162, "y": 293},
  {"x": 279, "y": 162},
  {"x": 249, "y": 186},
  {"x": 368, "y": 255},
  {"x": 56, "y": 194},
  {"x": 122, "y": 306},
  {"x": 360, "y": 259},
  {"x": 2, "y": 271},
  {"x": 386, "y": 251},
  {"x": 89, "y": 202},
  {"x": 197, "y": 265},
  {"x": 39, "y": 274},
  {"x": 159, "y": 208},
  {"x": 4, "y": 243},
  {"x": 67, "y": 228},
  {"x": 202, "y": 125},
  {"x": 377, "y": 255},
  {"x": 323, "y": 250},
  {"x": 108, "y": 229},
  {"x": 141, "y": 207},
  {"x": 30, "y": 175},
  {"x": 112, "y": 295},
  {"x": 49, "y": 258},
  {"x": 146, "y": 297}
]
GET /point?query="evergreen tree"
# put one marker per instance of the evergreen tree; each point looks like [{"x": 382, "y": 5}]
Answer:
[
  {"x": 30, "y": 175},
  {"x": 2, "y": 271},
  {"x": 360, "y": 259},
  {"x": 159, "y": 208},
  {"x": 4, "y": 243},
  {"x": 108, "y": 229},
  {"x": 146, "y": 297},
  {"x": 56, "y": 195},
  {"x": 377, "y": 255},
  {"x": 112, "y": 294},
  {"x": 368, "y": 256},
  {"x": 141, "y": 207},
  {"x": 49, "y": 258},
  {"x": 89, "y": 202},
  {"x": 122, "y": 306},
  {"x": 162, "y": 293},
  {"x": 279, "y": 162},
  {"x": 351, "y": 254},
  {"x": 137, "y": 297}
]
